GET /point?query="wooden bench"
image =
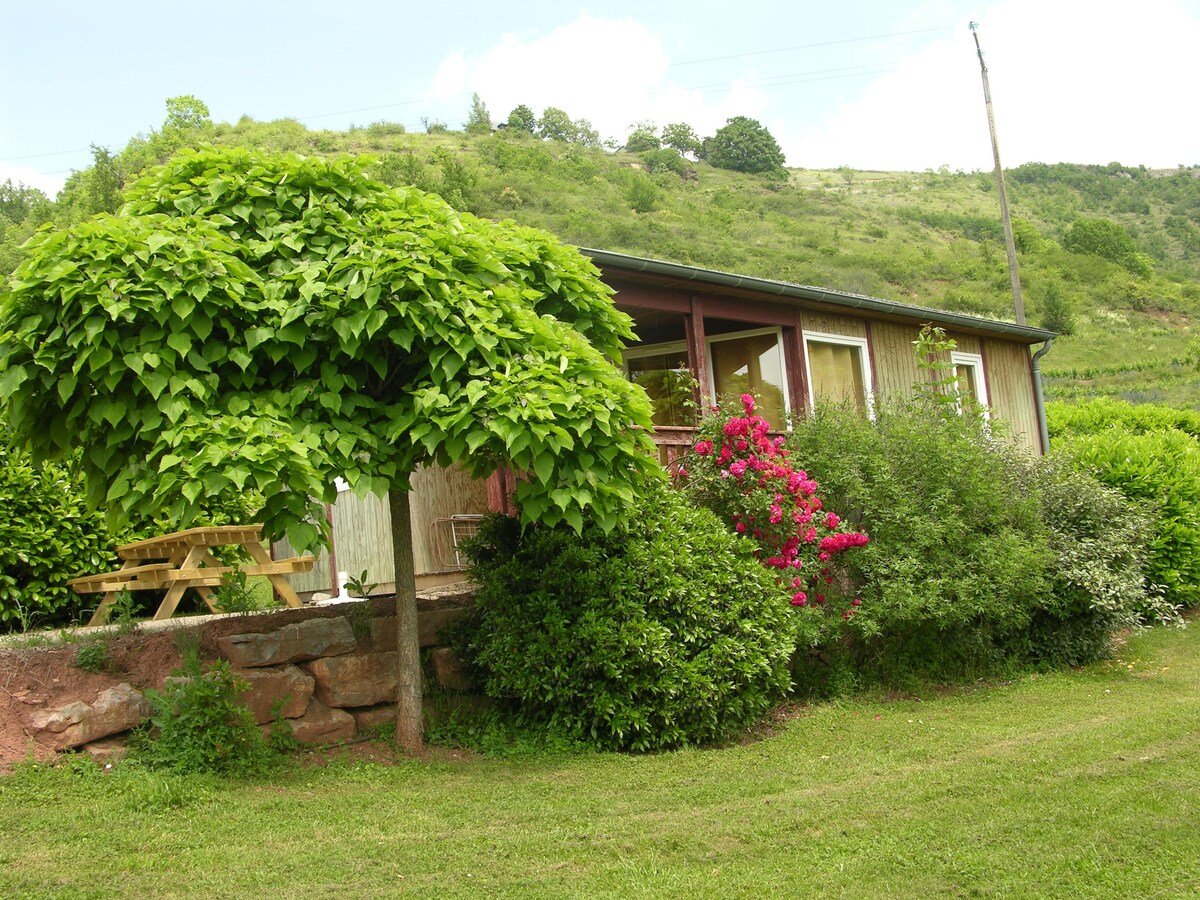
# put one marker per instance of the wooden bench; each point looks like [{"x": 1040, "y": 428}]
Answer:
[{"x": 183, "y": 560}]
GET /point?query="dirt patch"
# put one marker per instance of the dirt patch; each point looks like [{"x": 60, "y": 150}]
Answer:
[{"x": 42, "y": 678}]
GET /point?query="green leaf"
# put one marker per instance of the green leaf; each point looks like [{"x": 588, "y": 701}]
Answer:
[{"x": 11, "y": 380}]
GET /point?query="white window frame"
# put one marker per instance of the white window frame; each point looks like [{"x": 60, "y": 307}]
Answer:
[
  {"x": 975, "y": 361},
  {"x": 864, "y": 362},
  {"x": 710, "y": 339}
]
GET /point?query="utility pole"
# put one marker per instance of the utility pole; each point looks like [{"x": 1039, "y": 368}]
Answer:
[{"x": 1009, "y": 243}]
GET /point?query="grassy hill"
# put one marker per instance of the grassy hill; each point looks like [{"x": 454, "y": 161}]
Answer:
[{"x": 931, "y": 238}]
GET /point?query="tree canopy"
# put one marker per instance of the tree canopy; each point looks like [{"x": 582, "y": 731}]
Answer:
[
  {"x": 744, "y": 145},
  {"x": 266, "y": 322}
]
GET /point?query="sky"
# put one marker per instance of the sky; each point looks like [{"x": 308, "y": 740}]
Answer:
[{"x": 871, "y": 84}]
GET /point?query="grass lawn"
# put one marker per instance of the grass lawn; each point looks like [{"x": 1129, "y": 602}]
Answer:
[{"x": 1079, "y": 784}]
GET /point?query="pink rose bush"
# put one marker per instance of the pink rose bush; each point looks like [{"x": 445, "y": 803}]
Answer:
[{"x": 745, "y": 476}]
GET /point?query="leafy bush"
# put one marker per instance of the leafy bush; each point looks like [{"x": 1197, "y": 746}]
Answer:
[
  {"x": 1100, "y": 542},
  {"x": 663, "y": 633},
  {"x": 1097, "y": 416},
  {"x": 1108, "y": 240},
  {"x": 47, "y": 536},
  {"x": 980, "y": 559},
  {"x": 199, "y": 723},
  {"x": 665, "y": 160},
  {"x": 1161, "y": 468}
]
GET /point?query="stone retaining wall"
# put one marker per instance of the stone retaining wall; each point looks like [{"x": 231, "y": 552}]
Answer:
[{"x": 330, "y": 672}]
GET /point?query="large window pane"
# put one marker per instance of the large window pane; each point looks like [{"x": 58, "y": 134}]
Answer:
[
  {"x": 668, "y": 381},
  {"x": 966, "y": 382},
  {"x": 836, "y": 373},
  {"x": 752, "y": 364}
]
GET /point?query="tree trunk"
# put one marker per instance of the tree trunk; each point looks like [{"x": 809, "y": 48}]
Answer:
[{"x": 410, "y": 721}]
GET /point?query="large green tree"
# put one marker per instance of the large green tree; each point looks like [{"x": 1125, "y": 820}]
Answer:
[
  {"x": 744, "y": 145},
  {"x": 262, "y": 322}
]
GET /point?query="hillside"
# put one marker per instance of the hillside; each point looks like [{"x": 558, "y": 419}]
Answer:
[{"x": 1109, "y": 253}]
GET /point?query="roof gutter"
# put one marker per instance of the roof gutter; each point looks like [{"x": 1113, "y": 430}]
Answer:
[
  {"x": 804, "y": 292},
  {"x": 1039, "y": 400}
]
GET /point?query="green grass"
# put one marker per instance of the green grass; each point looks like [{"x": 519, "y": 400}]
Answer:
[{"x": 1079, "y": 784}]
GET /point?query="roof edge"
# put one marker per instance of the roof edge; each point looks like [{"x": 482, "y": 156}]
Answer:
[{"x": 806, "y": 292}]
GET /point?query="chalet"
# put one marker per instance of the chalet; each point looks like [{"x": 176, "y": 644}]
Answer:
[{"x": 791, "y": 345}]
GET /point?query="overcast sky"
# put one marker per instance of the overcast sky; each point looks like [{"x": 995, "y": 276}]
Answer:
[{"x": 865, "y": 83}]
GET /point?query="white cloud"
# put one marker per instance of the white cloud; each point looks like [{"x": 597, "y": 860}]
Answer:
[
  {"x": 1068, "y": 84},
  {"x": 612, "y": 72},
  {"x": 50, "y": 185}
]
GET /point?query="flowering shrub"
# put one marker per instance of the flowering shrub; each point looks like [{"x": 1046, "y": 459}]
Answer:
[{"x": 744, "y": 476}]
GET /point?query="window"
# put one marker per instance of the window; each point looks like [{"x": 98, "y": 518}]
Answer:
[
  {"x": 662, "y": 371},
  {"x": 839, "y": 370},
  {"x": 968, "y": 368},
  {"x": 751, "y": 362}
]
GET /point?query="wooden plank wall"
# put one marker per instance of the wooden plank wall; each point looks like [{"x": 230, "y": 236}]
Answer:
[
  {"x": 1006, "y": 368},
  {"x": 895, "y": 363},
  {"x": 362, "y": 530},
  {"x": 1010, "y": 390},
  {"x": 842, "y": 325},
  {"x": 438, "y": 494}
]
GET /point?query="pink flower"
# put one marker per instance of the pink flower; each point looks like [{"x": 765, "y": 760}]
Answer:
[
  {"x": 738, "y": 469},
  {"x": 742, "y": 446},
  {"x": 748, "y": 403},
  {"x": 776, "y": 514},
  {"x": 740, "y": 527},
  {"x": 832, "y": 520},
  {"x": 857, "y": 601},
  {"x": 704, "y": 447},
  {"x": 799, "y": 598}
]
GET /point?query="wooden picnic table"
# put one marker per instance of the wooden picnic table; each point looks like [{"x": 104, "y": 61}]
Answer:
[{"x": 184, "y": 560}]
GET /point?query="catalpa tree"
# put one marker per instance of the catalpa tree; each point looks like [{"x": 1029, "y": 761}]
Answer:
[{"x": 263, "y": 322}]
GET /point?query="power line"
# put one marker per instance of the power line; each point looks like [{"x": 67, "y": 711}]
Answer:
[
  {"x": 53, "y": 153},
  {"x": 872, "y": 37}
]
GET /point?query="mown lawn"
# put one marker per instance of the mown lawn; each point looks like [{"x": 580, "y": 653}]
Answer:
[{"x": 1079, "y": 784}]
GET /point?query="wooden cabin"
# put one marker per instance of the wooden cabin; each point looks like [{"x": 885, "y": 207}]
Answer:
[{"x": 705, "y": 334}]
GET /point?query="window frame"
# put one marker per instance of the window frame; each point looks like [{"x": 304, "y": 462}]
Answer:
[
  {"x": 641, "y": 351},
  {"x": 710, "y": 339},
  {"x": 864, "y": 362},
  {"x": 975, "y": 361}
]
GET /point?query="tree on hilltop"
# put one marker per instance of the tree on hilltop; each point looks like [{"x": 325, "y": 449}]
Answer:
[{"x": 744, "y": 145}]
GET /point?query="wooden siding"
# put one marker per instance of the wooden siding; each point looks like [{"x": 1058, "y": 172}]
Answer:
[
  {"x": 895, "y": 363},
  {"x": 833, "y": 325},
  {"x": 362, "y": 530},
  {"x": 437, "y": 495},
  {"x": 319, "y": 578},
  {"x": 1010, "y": 390}
]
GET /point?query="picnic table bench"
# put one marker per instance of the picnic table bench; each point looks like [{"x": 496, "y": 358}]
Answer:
[{"x": 183, "y": 560}]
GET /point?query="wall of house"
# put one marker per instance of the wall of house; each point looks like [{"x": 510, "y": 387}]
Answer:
[
  {"x": 362, "y": 532},
  {"x": 1010, "y": 389}
]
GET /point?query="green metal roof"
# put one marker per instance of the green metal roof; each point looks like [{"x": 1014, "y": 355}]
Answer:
[{"x": 788, "y": 291}]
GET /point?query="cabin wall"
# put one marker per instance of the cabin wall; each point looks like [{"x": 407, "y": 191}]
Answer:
[
  {"x": 362, "y": 532},
  {"x": 1009, "y": 372}
]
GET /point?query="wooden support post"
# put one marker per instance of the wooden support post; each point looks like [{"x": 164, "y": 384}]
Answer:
[{"x": 410, "y": 714}]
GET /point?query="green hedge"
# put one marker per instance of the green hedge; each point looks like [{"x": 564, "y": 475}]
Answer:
[
  {"x": 663, "y": 633},
  {"x": 47, "y": 536},
  {"x": 1096, "y": 416},
  {"x": 1161, "y": 468}
]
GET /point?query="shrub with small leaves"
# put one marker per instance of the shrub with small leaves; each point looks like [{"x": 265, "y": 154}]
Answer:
[{"x": 663, "y": 633}]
